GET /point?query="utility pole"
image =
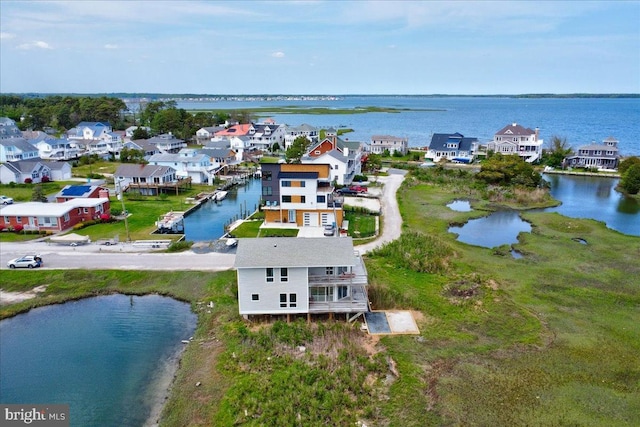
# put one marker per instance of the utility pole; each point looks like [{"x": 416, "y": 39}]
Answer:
[{"x": 124, "y": 210}]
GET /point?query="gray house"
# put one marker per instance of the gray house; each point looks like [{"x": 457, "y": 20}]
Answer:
[
  {"x": 288, "y": 275},
  {"x": 24, "y": 170},
  {"x": 601, "y": 156}
]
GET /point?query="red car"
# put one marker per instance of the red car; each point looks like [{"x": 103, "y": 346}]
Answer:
[{"x": 358, "y": 188}]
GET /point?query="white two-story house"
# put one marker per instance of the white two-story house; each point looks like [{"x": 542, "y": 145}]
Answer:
[
  {"x": 395, "y": 144},
  {"x": 516, "y": 139},
  {"x": 454, "y": 147},
  {"x": 308, "y": 131},
  {"x": 288, "y": 275},
  {"x": 188, "y": 163},
  {"x": 343, "y": 157}
]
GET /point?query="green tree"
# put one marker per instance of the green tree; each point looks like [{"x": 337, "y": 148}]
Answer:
[
  {"x": 373, "y": 162},
  {"x": 130, "y": 155},
  {"x": 559, "y": 150},
  {"x": 630, "y": 181},
  {"x": 140, "y": 133},
  {"x": 627, "y": 163},
  {"x": 508, "y": 170},
  {"x": 297, "y": 149},
  {"x": 37, "y": 194}
]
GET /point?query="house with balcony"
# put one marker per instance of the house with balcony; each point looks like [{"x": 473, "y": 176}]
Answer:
[
  {"x": 167, "y": 143},
  {"x": 299, "y": 194},
  {"x": 188, "y": 163},
  {"x": 98, "y": 138},
  {"x": 205, "y": 134},
  {"x": 518, "y": 140},
  {"x": 142, "y": 145},
  {"x": 343, "y": 157},
  {"x": 601, "y": 156},
  {"x": 149, "y": 180},
  {"x": 453, "y": 147},
  {"x": 287, "y": 275},
  {"x": 16, "y": 149},
  {"x": 395, "y": 144},
  {"x": 263, "y": 136},
  {"x": 53, "y": 217},
  {"x": 56, "y": 149},
  {"x": 308, "y": 131}
]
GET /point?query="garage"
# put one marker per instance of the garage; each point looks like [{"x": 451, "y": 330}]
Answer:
[
  {"x": 310, "y": 219},
  {"x": 328, "y": 218}
]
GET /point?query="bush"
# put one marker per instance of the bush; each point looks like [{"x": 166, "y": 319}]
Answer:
[
  {"x": 28, "y": 180},
  {"x": 45, "y": 179},
  {"x": 183, "y": 245},
  {"x": 18, "y": 228},
  {"x": 360, "y": 178}
]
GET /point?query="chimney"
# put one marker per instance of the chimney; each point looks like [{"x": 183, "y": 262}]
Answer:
[
  {"x": 537, "y": 133},
  {"x": 103, "y": 193}
]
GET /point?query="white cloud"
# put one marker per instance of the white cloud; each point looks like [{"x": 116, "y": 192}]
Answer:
[
  {"x": 110, "y": 46},
  {"x": 278, "y": 54},
  {"x": 7, "y": 36},
  {"x": 38, "y": 44}
]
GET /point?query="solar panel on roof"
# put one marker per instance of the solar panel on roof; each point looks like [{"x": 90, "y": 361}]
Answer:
[{"x": 76, "y": 190}]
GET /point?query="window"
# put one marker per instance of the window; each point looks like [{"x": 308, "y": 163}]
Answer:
[
  {"x": 303, "y": 184},
  {"x": 293, "y": 300},
  {"x": 283, "y": 300},
  {"x": 255, "y": 297},
  {"x": 286, "y": 199},
  {"x": 284, "y": 275},
  {"x": 269, "y": 274},
  {"x": 66, "y": 217},
  {"x": 85, "y": 210},
  {"x": 19, "y": 219},
  {"x": 329, "y": 271},
  {"x": 320, "y": 199},
  {"x": 267, "y": 191},
  {"x": 286, "y": 183},
  {"x": 266, "y": 176},
  {"x": 303, "y": 199}
]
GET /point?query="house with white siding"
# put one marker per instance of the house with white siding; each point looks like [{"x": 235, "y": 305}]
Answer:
[
  {"x": 343, "y": 157},
  {"x": 516, "y": 139},
  {"x": 188, "y": 163},
  {"x": 288, "y": 275},
  {"x": 16, "y": 149},
  {"x": 380, "y": 143}
]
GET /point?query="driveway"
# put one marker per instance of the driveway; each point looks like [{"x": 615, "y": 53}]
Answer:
[{"x": 125, "y": 256}]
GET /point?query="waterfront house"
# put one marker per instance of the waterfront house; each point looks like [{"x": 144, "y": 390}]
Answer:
[
  {"x": 299, "y": 194},
  {"x": 56, "y": 149},
  {"x": 148, "y": 180},
  {"x": 454, "y": 147},
  {"x": 288, "y": 275},
  {"x": 264, "y": 136},
  {"x": 16, "y": 149},
  {"x": 380, "y": 143},
  {"x": 308, "y": 131},
  {"x": 601, "y": 156},
  {"x": 516, "y": 139},
  {"x": 343, "y": 157},
  {"x": 53, "y": 217},
  {"x": 204, "y": 135},
  {"x": 188, "y": 163}
]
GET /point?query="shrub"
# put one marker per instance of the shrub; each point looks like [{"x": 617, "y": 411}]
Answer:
[
  {"x": 28, "y": 180},
  {"x": 183, "y": 245},
  {"x": 105, "y": 217},
  {"x": 45, "y": 179},
  {"x": 360, "y": 178},
  {"x": 18, "y": 228}
]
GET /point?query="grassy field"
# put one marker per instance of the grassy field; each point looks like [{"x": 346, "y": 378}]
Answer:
[{"x": 550, "y": 339}]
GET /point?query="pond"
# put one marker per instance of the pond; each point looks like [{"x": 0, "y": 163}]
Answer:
[
  {"x": 208, "y": 221},
  {"x": 460, "y": 206},
  {"x": 499, "y": 228},
  {"x": 111, "y": 358},
  {"x": 595, "y": 198}
]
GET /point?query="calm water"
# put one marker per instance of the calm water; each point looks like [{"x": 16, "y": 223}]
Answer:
[
  {"x": 460, "y": 206},
  {"x": 596, "y": 198},
  {"x": 499, "y": 228},
  {"x": 110, "y": 358},
  {"x": 579, "y": 120},
  {"x": 207, "y": 222}
]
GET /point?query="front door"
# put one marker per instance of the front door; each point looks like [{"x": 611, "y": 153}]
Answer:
[{"x": 292, "y": 215}]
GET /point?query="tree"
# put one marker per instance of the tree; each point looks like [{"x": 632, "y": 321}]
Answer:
[
  {"x": 297, "y": 149},
  {"x": 37, "y": 194},
  {"x": 559, "y": 150},
  {"x": 140, "y": 133},
  {"x": 627, "y": 163},
  {"x": 373, "y": 162},
  {"x": 130, "y": 155},
  {"x": 630, "y": 181},
  {"x": 507, "y": 170}
]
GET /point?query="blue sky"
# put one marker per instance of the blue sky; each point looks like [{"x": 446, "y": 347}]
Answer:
[{"x": 320, "y": 47}]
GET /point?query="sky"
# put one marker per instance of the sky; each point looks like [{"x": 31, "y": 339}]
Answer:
[{"x": 320, "y": 47}]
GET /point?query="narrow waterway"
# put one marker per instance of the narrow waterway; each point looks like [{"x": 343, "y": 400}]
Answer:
[
  {"x": 207, "y": 222},
  {"x": 111, "y": 358}
]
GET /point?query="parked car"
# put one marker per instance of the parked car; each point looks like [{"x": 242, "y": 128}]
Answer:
[
  {"x": 329, "y": 230},
  {"x": 346, "y": 191},
  {"x": 358, "y": 188},
  {"x": 27, "y": 261},
  {"x": 6, "y": 200}
]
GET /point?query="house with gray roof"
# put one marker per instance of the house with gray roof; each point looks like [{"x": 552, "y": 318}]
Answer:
[
  {"x": 308, "y": 131},
  {"x": 144, "y": 146},
  {"x": 16, "y": 149},
  {"x": 24, "y": 171},
  {"x": 167, "y": 143},
  {"x": 288, "y": 275},
  {"x": 515, "y": 139},
  {"x": 204, "y": 135},
  {"x": 188, "y": 162},
  {"x": 600, "y": 156},
  {"x": 263, "y": 136},
  {"x": 454, "y": 147},
  {"x": 394, "y": 144},
  {"x": 147, "y": 180},
  {"x": 9, "y": 129}
]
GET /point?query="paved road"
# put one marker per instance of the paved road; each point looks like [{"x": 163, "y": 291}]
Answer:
[{"x": 124, "y": 256}]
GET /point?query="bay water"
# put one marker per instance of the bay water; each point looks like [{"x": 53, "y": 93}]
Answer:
[{"x": 111, "y": 358}]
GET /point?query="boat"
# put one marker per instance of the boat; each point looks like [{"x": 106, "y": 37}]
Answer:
[
  {"x": 219, "y": 195},
  {"x": 171, "y": 223}
]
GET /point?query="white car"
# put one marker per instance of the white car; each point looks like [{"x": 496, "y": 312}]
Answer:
[
  {"x": 6, "y": 200},
  {"x": 27, "y": 261}
]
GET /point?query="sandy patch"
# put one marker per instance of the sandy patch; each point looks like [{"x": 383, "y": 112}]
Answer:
[{"x": 7, "y": 298}]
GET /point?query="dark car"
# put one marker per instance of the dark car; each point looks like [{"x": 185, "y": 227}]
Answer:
[{"x": 346, "y": 191}]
